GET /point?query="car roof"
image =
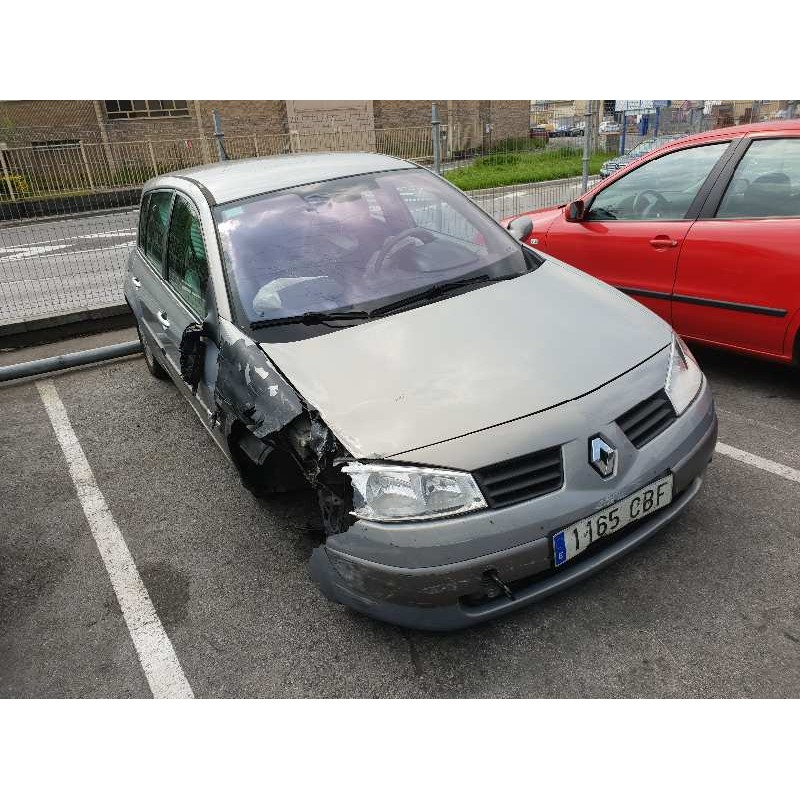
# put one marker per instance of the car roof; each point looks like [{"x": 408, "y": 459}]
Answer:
[
  {"x": 226, "y": 181},
  {"x": 682, "y": 142},
  {"x": 772, "y": 126}
]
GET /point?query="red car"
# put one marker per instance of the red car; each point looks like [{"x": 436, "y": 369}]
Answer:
[{"x": 704, "y": 230}]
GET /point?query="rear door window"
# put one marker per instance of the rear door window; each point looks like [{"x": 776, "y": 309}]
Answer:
[
  {"x": 155, "y": 228},
  {"x": 766, "y": 182},
  {"x": 660, "y": 189},
  {"x": 143, "y": 220},
  {"x": 187, "y": 266}
]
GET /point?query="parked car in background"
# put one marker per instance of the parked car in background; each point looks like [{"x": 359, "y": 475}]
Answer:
[
  {"x": 641, "y": 149},
  {"x": 482, "y": 424},
  {"x": 609, "y": 126},
  {"x": 704, "y": 231},
  {"x": 562, "y": 130},
  {"x": 539, "y": 132}
]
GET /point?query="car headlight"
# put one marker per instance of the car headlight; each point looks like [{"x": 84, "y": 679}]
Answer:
[
  {"x": 387, "y": 493},
  {"x": 684, "y": 376}
]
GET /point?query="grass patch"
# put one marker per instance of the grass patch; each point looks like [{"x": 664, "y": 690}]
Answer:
[{"x": 507, "y": 169}]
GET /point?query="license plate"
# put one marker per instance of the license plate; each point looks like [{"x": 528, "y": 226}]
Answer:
[{"x": 575, "y": 538}]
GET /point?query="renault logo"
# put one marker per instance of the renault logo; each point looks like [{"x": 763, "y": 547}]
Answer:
[{"x": 602, "y": 456}]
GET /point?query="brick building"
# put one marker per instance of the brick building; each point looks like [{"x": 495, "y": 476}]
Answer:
[
  {"x": 27, "y": 122},
  {"x": 52, "y": 146}
]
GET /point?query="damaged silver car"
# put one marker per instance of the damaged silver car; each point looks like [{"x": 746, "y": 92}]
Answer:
[{"x": 482, "y": 424}]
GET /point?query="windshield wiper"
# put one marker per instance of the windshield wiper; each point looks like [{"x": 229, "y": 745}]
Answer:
[
  {"x": 321, "y": 317},
  {"x": 311, "y": 318},
  {"x": 436, "y": 290}
]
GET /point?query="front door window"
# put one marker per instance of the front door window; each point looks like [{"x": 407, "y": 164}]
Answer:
[{"x": 660, "y": 189}]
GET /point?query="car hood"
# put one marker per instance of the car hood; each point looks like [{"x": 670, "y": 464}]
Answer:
[{"x": 471, "y": 361}]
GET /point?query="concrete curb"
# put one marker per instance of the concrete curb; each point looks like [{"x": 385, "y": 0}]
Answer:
[
  {"x": 526, "y": 187},
  {"x": 104, "y": 201},
  {"x": 52, "y": 328}
]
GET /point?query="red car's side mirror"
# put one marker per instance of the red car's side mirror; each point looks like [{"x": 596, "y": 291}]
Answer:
[{"x": 574, "y": 211}]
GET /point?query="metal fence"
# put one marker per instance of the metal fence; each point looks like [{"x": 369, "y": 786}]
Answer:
[
  {"x": 68, "y": 205},
  {"x": 68, "y": 210}
]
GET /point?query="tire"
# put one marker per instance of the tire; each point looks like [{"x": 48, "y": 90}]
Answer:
[
  {"x": 797, "y": 352},
  {"x": 153, "y": 367}
]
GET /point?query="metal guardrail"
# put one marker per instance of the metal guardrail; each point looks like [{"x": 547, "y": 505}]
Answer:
[{"x": 28, "y": 369}]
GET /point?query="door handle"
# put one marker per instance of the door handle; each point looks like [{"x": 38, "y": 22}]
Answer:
[
  {"x": 663, "y": 242},
  {"x": 162, "y": 318},
  {"x": 136, "y": 282}
]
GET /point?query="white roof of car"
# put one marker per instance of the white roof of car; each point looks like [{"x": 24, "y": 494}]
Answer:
[{"x": 226, "y": 181}]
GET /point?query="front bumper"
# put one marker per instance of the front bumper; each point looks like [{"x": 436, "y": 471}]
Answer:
[{"x": 442, "y": 596}]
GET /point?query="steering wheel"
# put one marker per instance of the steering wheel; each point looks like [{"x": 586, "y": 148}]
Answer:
[
  {"x": 643, "y": 204},
  {"x": 394, "y": 243}
]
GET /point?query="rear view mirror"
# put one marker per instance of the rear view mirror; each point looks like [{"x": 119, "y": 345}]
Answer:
[
  {"x": 520, "y": 228},
  {"x": 574, "y": 211}
]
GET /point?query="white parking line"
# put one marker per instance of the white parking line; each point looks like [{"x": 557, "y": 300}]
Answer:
[
  {"x": 756, "y": 461},
  {"x": 30, "y": 254},
  {"x": 117, "y": 232},
  {"x": 155, "y": 651}
]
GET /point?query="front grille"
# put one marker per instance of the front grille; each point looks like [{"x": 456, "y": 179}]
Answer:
[
  {"x": 647, "y": 419},
  {"x": 522, "y": 478}
]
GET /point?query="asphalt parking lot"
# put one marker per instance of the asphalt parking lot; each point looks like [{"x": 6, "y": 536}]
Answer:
[
  {"x": 708, "y": 608},
  {"x": 63, "y": 264}
]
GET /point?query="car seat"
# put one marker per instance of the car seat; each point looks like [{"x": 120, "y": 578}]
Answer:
[{"x": 769, "y": 195}]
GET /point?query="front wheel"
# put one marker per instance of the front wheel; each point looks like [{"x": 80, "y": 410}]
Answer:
[{"x": 153, "y": 367}]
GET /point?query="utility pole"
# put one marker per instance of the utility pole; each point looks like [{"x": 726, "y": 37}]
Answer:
[
  {"x": 219, "y": 136},
  {"x": 101, "y": 124},
  {"x": 587, "y": 133},
  {"x": 437, "y": 139}
]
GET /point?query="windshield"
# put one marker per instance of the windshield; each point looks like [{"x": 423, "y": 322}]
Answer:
[
  {"x": 643, "y": 147},
  {"x": 650, "y": 144},
  {"x": 356, "y": 243}
]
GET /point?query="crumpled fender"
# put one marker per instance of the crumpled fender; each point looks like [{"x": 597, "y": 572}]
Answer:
[{"x": 250, "y": 388}]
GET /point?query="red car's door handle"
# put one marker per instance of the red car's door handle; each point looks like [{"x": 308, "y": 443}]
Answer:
[{"x": 663, "y": 242}]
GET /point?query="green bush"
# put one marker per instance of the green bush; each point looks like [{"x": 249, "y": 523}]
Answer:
[
  {"x": 507, "y": 169},
  {"x": 498, "y": 160},
  {"x": 518, "y": 143},
  {"x": 15, "y": 183}
]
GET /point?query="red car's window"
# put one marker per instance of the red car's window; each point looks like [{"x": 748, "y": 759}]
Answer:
[
  {"x": 766, "y": 182},
  {"x": 660, "y": 189}
]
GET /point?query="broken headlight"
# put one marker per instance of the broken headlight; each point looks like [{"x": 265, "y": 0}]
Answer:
[
  {"x": 684, "y": 376},
  {"x": 387, "y": 493}
]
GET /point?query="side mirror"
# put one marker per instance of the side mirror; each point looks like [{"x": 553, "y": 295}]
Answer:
[
  {"x": 193, "y": 348},
  {"x": 574, "y": 211},
  {"x": 520, "y": 228},
  {"x": 210, "y": 327},
  {"x": 192, "y": 354}
]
